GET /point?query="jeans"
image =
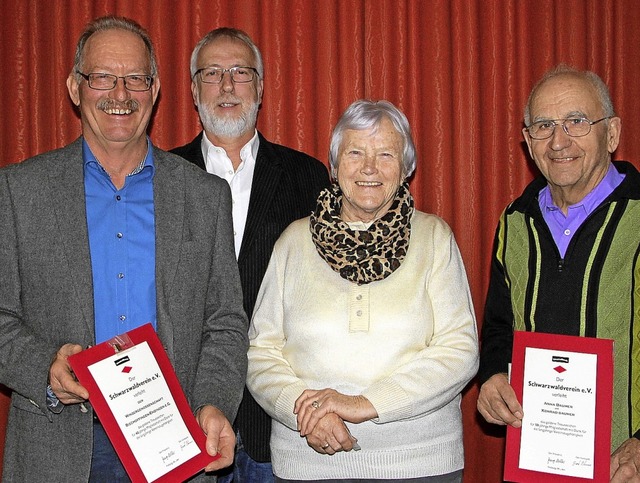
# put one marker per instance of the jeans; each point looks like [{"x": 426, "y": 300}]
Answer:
[
  {"x": 105, "y": 464},
  {"x": 245, "y": 469}
]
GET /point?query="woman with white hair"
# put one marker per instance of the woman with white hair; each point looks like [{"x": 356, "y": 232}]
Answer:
[{"x": 364, "y": 335}]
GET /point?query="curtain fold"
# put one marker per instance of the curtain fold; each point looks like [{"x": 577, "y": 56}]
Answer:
[{"x": 461, "y": 71}]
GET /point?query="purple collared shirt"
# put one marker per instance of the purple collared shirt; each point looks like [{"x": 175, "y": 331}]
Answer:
[{"x": 563, "y": 227}]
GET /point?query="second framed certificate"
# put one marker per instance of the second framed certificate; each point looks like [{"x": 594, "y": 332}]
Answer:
[{"x": 565, "y": 385}]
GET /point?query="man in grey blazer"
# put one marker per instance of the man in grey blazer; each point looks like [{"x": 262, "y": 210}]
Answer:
[
  {"x": 271, "y": 185},
  {"x": 101, "y": 236}
]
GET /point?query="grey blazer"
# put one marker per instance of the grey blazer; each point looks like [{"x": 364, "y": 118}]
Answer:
[{"x": 46, "y": 299}]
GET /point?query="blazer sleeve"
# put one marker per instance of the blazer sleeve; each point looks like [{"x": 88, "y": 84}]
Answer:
[
  {"x": 19, "y": 372},
  {"x": 222, "y": 367},
  {"x": 42, "y": 287}
]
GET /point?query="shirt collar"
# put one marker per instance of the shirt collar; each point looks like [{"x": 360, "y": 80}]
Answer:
[
  {"x": 147, "y": 162},
  {"x": 593, "y": 199},
  {"x": 249, "y": 149}
]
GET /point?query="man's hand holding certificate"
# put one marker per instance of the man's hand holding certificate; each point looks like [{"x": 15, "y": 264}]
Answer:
[
  {"x": 565, "y": 386},
  {"x": 140, "y": 403},
  {"x": 221, "y": 438}
]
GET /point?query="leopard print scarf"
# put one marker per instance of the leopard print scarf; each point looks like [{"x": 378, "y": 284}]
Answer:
[{"x": 362, "y": 256}]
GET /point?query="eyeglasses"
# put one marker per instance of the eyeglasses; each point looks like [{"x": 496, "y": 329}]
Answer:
[
  {"x": 574, "y": 126},
  {"x": 214, "y": 75},
  {"x": 105, "y": 82}
]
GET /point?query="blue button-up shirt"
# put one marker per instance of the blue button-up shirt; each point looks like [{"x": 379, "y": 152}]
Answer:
[{"x": 122, "y": 244}]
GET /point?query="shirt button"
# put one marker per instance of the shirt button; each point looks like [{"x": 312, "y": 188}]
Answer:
[
  {"x": 121, "y": 275},
  {"x": 567, "y": 232},
  {"x": 119, "y": 235},
  {"x": 359, "y": 297},
  {"x": 359, "y": 313},
  {"x": 123, "y": 318},
  {"x": 118, "y": 197},
  {"x": 230, "y": 172}
]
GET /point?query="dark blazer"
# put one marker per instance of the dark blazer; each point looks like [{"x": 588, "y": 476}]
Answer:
[
  {"x": 285, "y": 187},
  {"x": 46, "y": 300}
]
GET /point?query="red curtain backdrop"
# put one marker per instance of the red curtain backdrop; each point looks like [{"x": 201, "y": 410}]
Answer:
[{"x": 460, "y": 69}]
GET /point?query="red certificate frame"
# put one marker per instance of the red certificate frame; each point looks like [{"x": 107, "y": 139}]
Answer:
[
  {"x": 603, "y": 348},
  {"x": 80, "y": 364}
]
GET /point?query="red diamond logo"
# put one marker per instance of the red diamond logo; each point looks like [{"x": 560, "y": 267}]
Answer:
[
  {"x": 127, "y": 369},
  {"x": 559, "y": 369}
]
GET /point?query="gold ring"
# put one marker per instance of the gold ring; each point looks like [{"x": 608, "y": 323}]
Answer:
[
  {"x": 315, "y": 404},
  {"x": 325, "y": 446}
]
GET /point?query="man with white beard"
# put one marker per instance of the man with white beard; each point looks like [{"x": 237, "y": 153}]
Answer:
[{"x": 271, "y": 186}]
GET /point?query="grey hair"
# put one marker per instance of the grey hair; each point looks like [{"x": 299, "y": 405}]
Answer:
[
  {"x": 232, "y": 34},
  {"x": 113, "y": 23},
  {"x": 592, "y": 78},
  {"x": 365, "y": 114}
]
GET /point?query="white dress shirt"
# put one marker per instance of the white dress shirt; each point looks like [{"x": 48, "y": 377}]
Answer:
[{"x": 217, "y": 162}]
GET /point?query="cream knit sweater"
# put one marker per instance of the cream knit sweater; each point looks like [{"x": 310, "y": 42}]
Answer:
[{"x": 408, "y": 343}]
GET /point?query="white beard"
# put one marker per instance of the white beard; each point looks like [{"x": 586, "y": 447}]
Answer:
[{"x": 226, "y": 127}]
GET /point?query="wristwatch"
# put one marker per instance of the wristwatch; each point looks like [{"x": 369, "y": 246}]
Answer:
[{"x": 53, "y": 403}]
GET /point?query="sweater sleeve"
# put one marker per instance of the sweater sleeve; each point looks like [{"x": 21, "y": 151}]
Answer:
[
  {"x": 270, "y": 379},
  {"x": 497, "y": 326}
]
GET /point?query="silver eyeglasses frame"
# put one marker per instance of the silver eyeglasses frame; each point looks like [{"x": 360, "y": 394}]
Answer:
[
  {"x": 534, "y": 128},
  {"x": 128, "y": 80},
  {"x": 232, "y": 72}
]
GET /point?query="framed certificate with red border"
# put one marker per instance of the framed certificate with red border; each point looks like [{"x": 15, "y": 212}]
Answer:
[
  {"x": 140, "y": 403},
  {"x": 565, "y": 385}
]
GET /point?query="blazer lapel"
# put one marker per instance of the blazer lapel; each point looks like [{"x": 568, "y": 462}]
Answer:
[
  {"x": 192, "y": 152},
  {"x": 266, "y": 178},
  {"x": 169, "y": 206},
  {"x": 195, "y": 151},
  {"x": 68, "y": 199}
]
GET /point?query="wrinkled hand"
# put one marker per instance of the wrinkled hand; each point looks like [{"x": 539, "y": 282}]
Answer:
[
  {"x": 62, "y": 380},
  {"x": 497, "y": 402},
  {"x": 313, "y": 405},
  {"x": 625, "y": 462},
  {"x": 220, "y": 436},
  {"x": 330, "y": 436}
]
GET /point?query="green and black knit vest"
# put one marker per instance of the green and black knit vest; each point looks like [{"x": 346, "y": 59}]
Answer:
[{"x": 593, "y": 292}]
